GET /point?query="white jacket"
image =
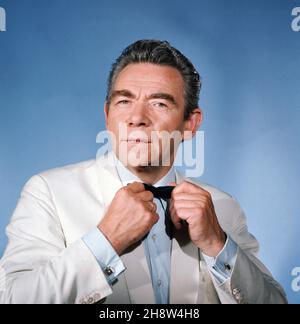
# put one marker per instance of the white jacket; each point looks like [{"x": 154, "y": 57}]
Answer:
[{"x": 46, "y": 260}]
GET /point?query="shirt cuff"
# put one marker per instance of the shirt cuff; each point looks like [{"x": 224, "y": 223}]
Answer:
[
  {"x": 108, "y": 259},
  {"x": 222, "y": 265}
]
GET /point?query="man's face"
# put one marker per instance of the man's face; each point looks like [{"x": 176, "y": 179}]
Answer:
[{"x": 147, "y": 104}]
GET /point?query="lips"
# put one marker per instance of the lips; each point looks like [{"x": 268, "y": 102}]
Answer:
[{"x": 137, "y": 140}]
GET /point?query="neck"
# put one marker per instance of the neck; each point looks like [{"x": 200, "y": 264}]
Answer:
[{"x": 150, "y": 174}]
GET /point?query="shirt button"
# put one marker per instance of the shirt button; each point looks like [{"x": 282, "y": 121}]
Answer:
[
  {"x": 154, "y": 237},
  {"x": 159, "y": 282},
  {"x": 227, "y": 267}
]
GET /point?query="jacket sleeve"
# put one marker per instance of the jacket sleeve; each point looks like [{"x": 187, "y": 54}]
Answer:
[
  {"x": 37, "y": 266},
  {"x": 250, "y": 281}
]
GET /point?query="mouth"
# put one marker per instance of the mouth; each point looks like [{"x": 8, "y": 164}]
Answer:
[{"x": 136, "y": 141}]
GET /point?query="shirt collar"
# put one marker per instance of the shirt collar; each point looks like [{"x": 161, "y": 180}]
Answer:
[{"x": 127, "y": 176}]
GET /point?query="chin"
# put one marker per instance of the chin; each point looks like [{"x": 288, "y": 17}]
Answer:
[
  {"x": 141, "y": 161},
  {"x": 139, "y": 156}
]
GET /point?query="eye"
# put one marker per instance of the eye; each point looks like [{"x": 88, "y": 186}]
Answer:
[
  {"x": 160, "y": 105},
  {"x": 123, "y": 102}
]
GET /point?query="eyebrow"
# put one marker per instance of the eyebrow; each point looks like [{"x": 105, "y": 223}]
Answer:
[
  {"x": 121, "y": 93},
  {"x": 165, "y": 96},
  {"x": 130, "y": 95}
]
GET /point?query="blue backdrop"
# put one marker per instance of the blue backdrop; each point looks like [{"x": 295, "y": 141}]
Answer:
[{"x": 54, "y": 61}]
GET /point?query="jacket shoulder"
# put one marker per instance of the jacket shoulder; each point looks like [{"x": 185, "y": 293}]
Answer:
[
  {"x": 65, "y": 174},
  {"x": 67, "y": 169}
]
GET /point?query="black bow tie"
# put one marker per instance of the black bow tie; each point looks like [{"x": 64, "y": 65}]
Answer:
[{"x": 163, "y": 192}]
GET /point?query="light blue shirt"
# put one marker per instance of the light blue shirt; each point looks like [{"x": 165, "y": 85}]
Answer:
[
  {"x": 157, "y": 247},
  {"x": 157, "y": 244}
]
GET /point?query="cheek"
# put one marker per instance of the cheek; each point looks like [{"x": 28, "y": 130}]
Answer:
[
  {"x": 109, "y": 125},
  {"x": 171, "y": 125},
  {"x": 113, "y": 120},
  {"x": 171, "y": 120}
]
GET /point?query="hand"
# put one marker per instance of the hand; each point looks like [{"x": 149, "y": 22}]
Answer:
[
  {"x": 194, "y": 205},
  {"x": 130, "y": 216}
]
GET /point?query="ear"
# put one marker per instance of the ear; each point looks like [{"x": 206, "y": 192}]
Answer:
[
  {"x": 106, "y": 110},
  {"x": 192, "y": 124}
]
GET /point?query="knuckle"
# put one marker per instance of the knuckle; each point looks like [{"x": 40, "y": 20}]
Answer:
[
  {"x": 123, "y": 189},
  {"x": 207, "y": 195},
  {"x": 156, "y": 217},
  {"x": 154, "y": 206},
  {"x": 174, "y": 195},
  {"x": 149, "y": 195},
  {"x": 142, "y": 206},
  {"x": 140, "y": 185},
  {"x": 178, "y": 188},
  {"x": 148, "y": 214},
  {"x": 152, "y": 217},
  {"x": 121, "y": 192}
]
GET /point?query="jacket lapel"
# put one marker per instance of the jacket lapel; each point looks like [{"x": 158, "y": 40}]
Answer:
[
  {"x": 108, "y": 180},
  {"x": 138, "y": 276}
]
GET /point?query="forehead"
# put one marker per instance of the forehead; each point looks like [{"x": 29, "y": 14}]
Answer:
[{"x": 150, "y": 77}]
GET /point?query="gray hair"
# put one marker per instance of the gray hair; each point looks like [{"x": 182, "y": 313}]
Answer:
[{"x": 161, "y": 53}]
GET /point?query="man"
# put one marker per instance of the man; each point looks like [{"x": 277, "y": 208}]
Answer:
[{"x": 99, "y": 232}]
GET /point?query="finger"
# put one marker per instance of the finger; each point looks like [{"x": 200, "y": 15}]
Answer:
[
  {"x": 145, "y": 195},
  {"x": 189, "y": 196},
  {"x": 136, "y": 187},
  {"x": 174, "y": 217},
  {"x": 189, "y": 187},
  {"x": 185, "y": 213},
  {"x": 184, "y": 203},
  {"x": 152, "y": 206},
  {"x": 156, "y": 217}
]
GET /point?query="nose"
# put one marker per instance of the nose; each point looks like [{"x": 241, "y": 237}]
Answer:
[{"x": 138, "y": 116}]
